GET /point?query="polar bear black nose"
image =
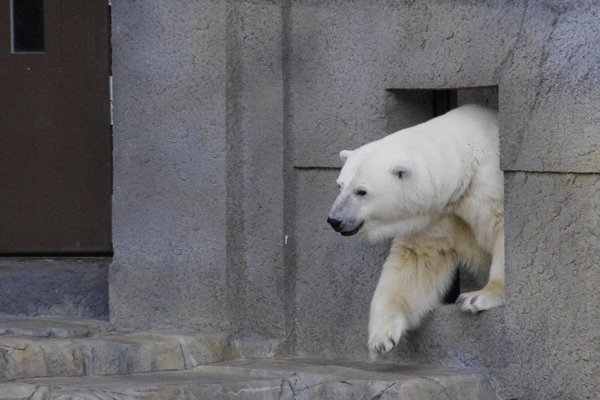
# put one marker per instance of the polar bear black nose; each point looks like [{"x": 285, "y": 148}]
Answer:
[{"x": 335, "y": 224}]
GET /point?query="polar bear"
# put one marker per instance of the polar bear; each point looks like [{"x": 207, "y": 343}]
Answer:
[{"x": 437, "y": 190}]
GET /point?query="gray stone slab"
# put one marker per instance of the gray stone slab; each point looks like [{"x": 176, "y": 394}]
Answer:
[
  {"x": 53, "y": 327},
  {"x": 252, "y": 348},
  {"x": 156, "y": 386},
  {"x": 276, "y": 379},
  {"x": 452, "y": 338},
  {"x": 313, "y": 378},
  {"x": 56, "y": 287},
  {"x": 109, "y": 353}
]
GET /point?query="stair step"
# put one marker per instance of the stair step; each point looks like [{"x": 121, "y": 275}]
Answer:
[
  {"x": 35, "y": 347},
  {"x": 53, "y": 327},
  {"x": 264, "y": 380}
]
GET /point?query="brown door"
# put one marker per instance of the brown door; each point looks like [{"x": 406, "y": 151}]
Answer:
[{"x": 55, "y": 133}]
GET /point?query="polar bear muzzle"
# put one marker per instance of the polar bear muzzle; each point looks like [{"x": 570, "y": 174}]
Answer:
[{"x": 346, "y": 229}]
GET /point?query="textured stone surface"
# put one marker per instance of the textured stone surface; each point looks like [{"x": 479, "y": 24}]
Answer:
[
  {"x": 452, "y": 338},
  {"x": 255, "y": 102},
  {"x": 63, "y": 287},
  {"x": 58, "y": 347},
  {"x": 114, "y": 354},
  {"x": 281, "y": 379},
  {"x": 216, "y": 103},
  {"x": 156, "y": 386},
  {"x": 343, "y": 57},
  {"x": 169, "y": 218},
  {"x": 549, "y": 90},
  {"x": 553, "y": 277},
  {"x": 335, "y": 275},
  {"x": 322, "y": 379},
  {"x": 252, "y": 348},
  {"x": 53, "y": 327},
  {"x": 182, "y": 258}
]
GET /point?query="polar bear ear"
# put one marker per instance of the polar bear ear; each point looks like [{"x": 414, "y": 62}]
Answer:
[{"x": 344, "y": 154}]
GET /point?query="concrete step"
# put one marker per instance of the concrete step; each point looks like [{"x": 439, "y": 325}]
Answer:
[
  {"x": 47, "y": 347},
  {"x": 266, "y": 379}
]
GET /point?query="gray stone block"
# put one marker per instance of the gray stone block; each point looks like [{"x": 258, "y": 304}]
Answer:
[
  {"x": 255, "y": 177},
  {"x": 456, "y": 339},
  {"x": 30, "y": 349},
  {"x": 196, "y": 348},
  {"x": 549, "y": 90},
  {"x": 552, "y": 229},
  {"x": 53, "y": 327},
  {"x": 283, "y": 379},
  {"x": 59, "y": 287},
  {"x": 157, "y": 386},
  {"x": 322, "y": 379},
  {"x": 249, "y": 348}
]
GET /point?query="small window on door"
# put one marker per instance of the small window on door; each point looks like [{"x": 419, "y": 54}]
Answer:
[{"x": 27, "y": 23}]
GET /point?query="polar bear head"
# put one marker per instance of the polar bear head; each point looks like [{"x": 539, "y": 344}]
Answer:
[{"x": 384, "y": 191}]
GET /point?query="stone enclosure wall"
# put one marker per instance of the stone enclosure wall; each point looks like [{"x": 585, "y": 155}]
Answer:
[{"x": 229, "y": 116}]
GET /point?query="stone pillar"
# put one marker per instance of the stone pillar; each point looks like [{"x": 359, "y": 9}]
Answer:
[
  {"x": 255, "y": 162},
  {"x": 198, "y": 202},
  {"x": 170, "y": 165}
]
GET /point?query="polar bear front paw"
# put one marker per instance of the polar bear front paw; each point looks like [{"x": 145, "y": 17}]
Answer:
[
  {"x": 479, "y": 301},
  {"x": 385, "y": 335}
]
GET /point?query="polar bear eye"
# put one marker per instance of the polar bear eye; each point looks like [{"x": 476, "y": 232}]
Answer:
[{"x": 361, "y": 192}]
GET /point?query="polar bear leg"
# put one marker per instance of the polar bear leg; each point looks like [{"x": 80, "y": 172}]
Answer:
[
  {"x": 489, "y": 297},
  {"x": 413, "y": 279},
  {"x": 492, "y": 294}
]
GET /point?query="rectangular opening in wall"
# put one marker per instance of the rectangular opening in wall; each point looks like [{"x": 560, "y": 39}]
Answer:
[
  {"x": 408, "y": 107},
  {"x": 27, "y": 22},
  {"x": 485, "y": 96}
]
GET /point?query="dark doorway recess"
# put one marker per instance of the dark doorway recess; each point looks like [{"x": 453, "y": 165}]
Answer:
[{"x": 55, "y": 132}]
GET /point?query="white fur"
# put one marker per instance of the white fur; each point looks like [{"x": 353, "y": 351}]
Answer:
[{"x": 438, "y": 190}]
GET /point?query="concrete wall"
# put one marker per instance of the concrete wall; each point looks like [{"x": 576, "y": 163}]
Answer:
[
  {"x": 170, "y": 165},
  {"x": 198, "y": 203},
  {"x": 228, "y": 120}
]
